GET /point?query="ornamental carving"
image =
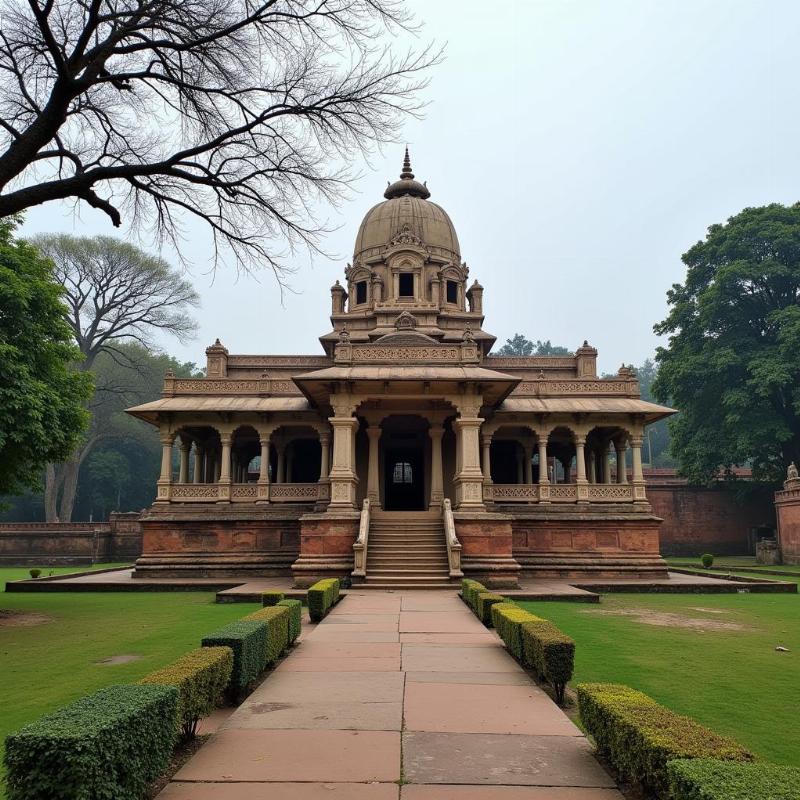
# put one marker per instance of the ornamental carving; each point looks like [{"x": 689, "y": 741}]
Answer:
[
  {"x": 296, "y": 491},
  {"x": 610, "y": 492},
  {"x": 512, "y": 491},
  {"x": 245, "y": 491},
  {"x": 563, "y": 492},
  {"x": 572, "y": 387},
  {"x": 203, "y": 385},
  {"x": 436, "y": 353},
  {"x": 195, "y": 490},
  {"x": 406, "y": 237}
]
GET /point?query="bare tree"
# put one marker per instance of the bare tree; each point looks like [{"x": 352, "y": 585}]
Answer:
[
  {"x": 115, "y": 293},
  {"x": 233, "y": 111}
]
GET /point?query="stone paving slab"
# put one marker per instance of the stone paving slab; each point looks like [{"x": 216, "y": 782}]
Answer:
[
  {"x": 325, "y": 687},
  {"x": 359, "y": 716},
  {"x": 333, "y": 664},
  {"x": 440, "y": 622},
  {"x": 321, "y": 649},
  {"x": 504, "y": 760},
  {"x": 457, "y": 658},
  {"x": 440, "y": 792},
  {"x": 281, "y": 791},
  {"x": 295, "y": 756},
  {"x": 350, "y": 633},
  {"x": 461, "y": 708},
  {"x": 446, "y": 639},
  {"x": 518, "y": 678}
]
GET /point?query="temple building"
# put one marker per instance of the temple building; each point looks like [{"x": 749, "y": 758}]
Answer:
[{"x": 404, "y": 454}]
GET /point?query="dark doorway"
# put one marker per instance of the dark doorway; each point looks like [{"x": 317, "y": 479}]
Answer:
[{"x": 404, "y": 479}]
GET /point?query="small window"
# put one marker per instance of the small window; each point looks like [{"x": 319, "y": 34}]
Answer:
[
  {"x": 361, "y": 293},
  {"x": 406, "y": 284},
  {"x": 402, "y": 473},
  {"x": 452, "y": 292}
]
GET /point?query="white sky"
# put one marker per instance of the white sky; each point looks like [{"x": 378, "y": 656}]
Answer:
[{"x": 580, "y": 147}]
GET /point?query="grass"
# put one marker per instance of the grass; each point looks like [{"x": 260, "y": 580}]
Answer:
[
  {"x": 48, "y": 665},
  {"x": 24, "y": 573},
  {"x": 734, "y": 681}
]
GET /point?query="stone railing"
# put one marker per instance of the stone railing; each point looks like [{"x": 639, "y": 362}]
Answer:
[
  {"x": 246, "y": 492},
  {"x": 559, "y": 493},
  {"x": 228, "y": 386},
  {"x": 619, "y": 387},
  {"x": 451, "y": 540},
  {"x": 360, "y": 544}
]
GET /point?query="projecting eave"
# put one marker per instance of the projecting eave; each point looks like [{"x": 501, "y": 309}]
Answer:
[
  {"x": 412, "y": 379},
  {"x": 150, "y": 412},
  {"x": 585, "y": 405}
]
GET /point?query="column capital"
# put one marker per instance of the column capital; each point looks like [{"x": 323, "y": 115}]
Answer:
[
  {"x": 265, "y": 433},
  {"x": 637, "y": 441},
  {"x": 436, "y": 431},
  {"x": 167, "y": 438},
  {"x": 374, "y": 432}
]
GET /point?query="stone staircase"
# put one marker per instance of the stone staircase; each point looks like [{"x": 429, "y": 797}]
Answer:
[{"x": 407, "y": 550}]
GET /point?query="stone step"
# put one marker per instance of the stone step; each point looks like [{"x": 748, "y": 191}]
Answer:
[{"x": 389, "y": 586}]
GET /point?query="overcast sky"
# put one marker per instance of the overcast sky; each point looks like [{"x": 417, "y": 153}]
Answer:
[{"x": 580, "y": 147}]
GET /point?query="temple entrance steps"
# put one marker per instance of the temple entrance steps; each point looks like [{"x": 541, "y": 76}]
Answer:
[{"x": 407, "y": 550}]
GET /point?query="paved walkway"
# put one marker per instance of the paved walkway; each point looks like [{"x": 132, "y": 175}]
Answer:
[{"x": 396, "y": 696}]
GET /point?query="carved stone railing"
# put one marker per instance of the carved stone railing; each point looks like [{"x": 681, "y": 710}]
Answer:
[
  {"x": 246, "y": 492},
  {"x": 610, "y": 493},
  {"x": 453, "y": 545},
  {"x": 293, "y": 492},
  {"x": 515, "y": 492},
  {"x": 563, "y": 493},
  {"x": 360, "y": 544},
  {"x": 620, "y": 387},
  {"x": 228, "y": 386},
  {"x": 194, "y": 492}
]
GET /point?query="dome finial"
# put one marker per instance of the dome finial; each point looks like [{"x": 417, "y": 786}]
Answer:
[{"x": 407, "y": 174}]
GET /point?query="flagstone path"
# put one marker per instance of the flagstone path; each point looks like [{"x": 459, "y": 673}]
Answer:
[{"x": 396, "y": 696}]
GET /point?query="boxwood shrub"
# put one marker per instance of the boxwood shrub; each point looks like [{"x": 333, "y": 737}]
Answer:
[
  {"x": 549, "y": 653},
  {"x": 109, "y": 745},
  {"x": 469, "y": 592},
  {"x": 295, "y": 618},
  {"x": 201, "y": 677},
  {"x": 322, "y": 596},
  {"x": 483, "y": 606},
  {"x": 638, "y": 736},
  {"x": 248, "y": 640},
  {"x": 508, "y": 619},
  {"x": 708, "y": 779},
  {"x": 271, "y": 598},
  {"x": 277, "y": 621}
]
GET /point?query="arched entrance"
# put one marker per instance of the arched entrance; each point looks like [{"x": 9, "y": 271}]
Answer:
[{"x": 405, "y": 444}]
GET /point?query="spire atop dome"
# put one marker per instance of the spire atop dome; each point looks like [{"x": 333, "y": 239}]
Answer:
[
  {"x": 407, "y": 186},
  {"x": 407, "y": 174}
]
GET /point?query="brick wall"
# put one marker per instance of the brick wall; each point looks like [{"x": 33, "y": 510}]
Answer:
[{"x": 714, "y": 520}]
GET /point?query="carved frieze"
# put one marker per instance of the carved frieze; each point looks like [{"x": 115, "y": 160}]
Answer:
[{"x": 433, "y": 353}]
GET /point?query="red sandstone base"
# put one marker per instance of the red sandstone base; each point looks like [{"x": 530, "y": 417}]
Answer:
[{"x": 787, "y": 506}]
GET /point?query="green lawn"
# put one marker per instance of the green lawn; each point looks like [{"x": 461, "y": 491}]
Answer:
[
  {"x": 731, "y": 680},
  {"x": 47, "y": 665}
]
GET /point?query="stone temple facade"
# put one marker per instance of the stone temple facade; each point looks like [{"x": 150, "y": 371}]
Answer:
[{"x": 404, "y": 454}]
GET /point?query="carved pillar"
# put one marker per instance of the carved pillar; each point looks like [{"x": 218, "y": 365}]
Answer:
[
  {"x": 373, "y": 484},
  {"x": 544, "y": 476},
  {"x": 639, "y": 494},
  {"x": 469, "y": 479},
  {"x": 183, "y": 473},
  {"x": 486, "y": 444},
  {"x": 527, "y": 449},
  {"x": 436, "y": 432},
  {"x": 324, "y": 456},
  {"x": 343, "y": 475},
  {"x": 165, "y": 479},
  {"x": 198, "y": 463},
  {"x": 581, "y": 491},
  {"x": 262, "y": 490},
  {"x": 592, "y": 466},
  {"x": 224, "y": 479},
  {"x": 621, "y": 446},
  {"x": 280, "y": 446},
  {"x": 607, "y": 462}
]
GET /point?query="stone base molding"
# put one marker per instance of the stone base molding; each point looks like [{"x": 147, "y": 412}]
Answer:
[
  {"x": 326, "y": 546},
  {"x": 486, "y": 548},
  {"x": 787, "y": 509}
]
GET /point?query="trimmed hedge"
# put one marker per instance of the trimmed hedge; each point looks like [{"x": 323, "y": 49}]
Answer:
[
  {"x": 322, "y": 596},
  {"x": 483, "y": 606},
  {"x": 277, "y": 621},
  {"x": 295, "y": 618},
  {"x": 271, "y": 598},
  {"x": 200, "y": 676},
  {"x": 549, "y": 653},
  {"x": 707, "y": 779},
  {"x": 109, "y": 745},
  {"x": 638, "y": 736},
  {"x": 508, "y": 619},
  {"x": 470, "y": 590},
  {"x": 248, "y": 640}
]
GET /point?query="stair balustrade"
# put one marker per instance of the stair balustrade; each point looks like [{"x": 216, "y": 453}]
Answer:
[
  {"x": 360, "y": 544},
  {"x": 453, "y": 545}
]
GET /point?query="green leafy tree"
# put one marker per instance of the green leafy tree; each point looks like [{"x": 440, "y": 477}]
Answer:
[
  {"x": 42, "y": 413},
  {"x": 519, "y": 345},
  {"x": 732, "y": 366}
]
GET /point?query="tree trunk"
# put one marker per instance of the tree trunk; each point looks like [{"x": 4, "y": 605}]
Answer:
[
  {"x": 52, "y": 482},
  {"x": 71, "y": 469}
]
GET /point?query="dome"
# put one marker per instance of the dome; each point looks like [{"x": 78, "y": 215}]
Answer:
[{"x": 407, "y": 212}]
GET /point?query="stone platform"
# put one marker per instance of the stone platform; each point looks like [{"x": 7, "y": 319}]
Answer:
[
  {"x": 233, "y": 590},
  {"x": 405, "y": 688}
]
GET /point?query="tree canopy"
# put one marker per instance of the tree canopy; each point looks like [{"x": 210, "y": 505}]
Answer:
[
  {"x": 519, "y": 345},
  {"x": 42, "y": 411},
  {"x": 732, "y": 365},
  {"x": 238, "y": 113}
]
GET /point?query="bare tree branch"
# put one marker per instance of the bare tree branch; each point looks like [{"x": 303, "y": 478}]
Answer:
[{"x": 236, "y": 112}]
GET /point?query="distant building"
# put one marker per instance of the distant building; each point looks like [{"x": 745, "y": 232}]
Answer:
[{"x": 490, "y": 465}]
